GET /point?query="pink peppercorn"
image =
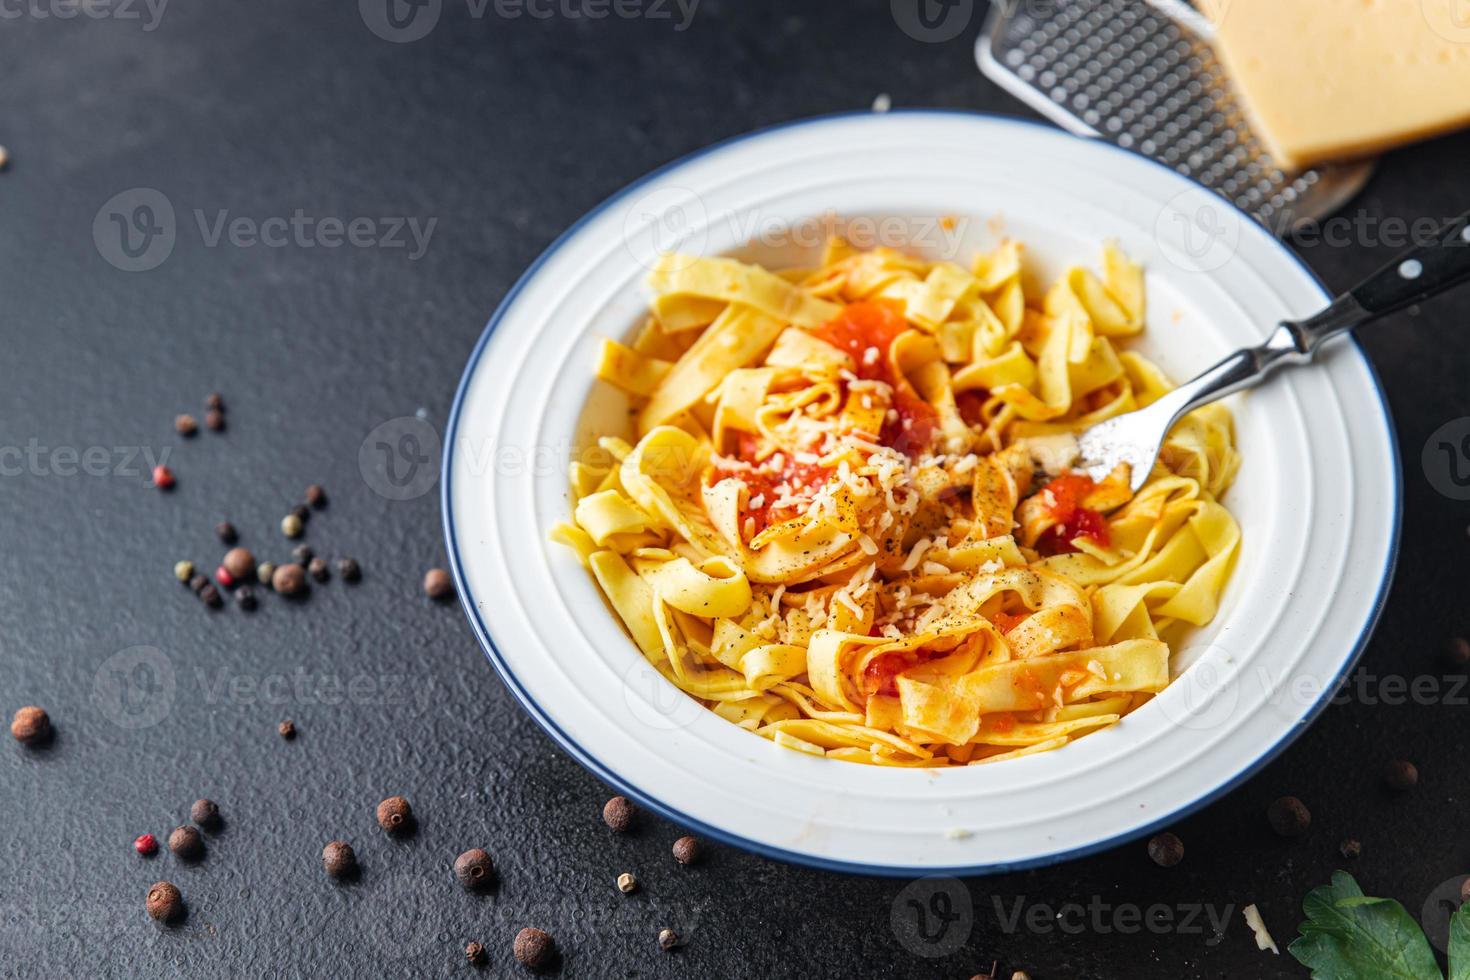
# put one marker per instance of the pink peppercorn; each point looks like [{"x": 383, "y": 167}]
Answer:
[
  {"x": 223, "y": 577},
  {"x": 163, "y": 477},
  {"x": 146, "y": 845}
]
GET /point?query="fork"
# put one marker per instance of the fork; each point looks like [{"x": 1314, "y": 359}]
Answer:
[{"x": 1416, "y": 275}]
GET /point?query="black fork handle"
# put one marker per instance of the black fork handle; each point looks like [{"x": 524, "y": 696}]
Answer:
[{"x": 1416, "y": 275}]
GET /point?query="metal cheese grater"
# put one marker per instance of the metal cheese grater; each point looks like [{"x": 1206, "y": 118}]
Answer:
[{"x": 1143, "y": 76}]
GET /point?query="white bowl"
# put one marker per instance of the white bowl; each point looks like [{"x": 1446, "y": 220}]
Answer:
[{"x": 1317, "y": 496}]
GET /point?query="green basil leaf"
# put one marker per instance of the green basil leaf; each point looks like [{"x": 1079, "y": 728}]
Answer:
[
  {"x": 1347, "y": 936},
  {"x": 1460, "y": 943}
]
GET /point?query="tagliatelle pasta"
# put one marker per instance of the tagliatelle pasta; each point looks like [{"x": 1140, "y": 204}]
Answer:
[{"x": 845, "y": 519}]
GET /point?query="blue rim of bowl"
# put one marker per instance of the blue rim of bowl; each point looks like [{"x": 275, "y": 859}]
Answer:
[{"x": 623, "y": 785}]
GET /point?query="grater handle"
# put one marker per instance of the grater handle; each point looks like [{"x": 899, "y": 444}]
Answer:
[{"x": 1416, "y": 275}]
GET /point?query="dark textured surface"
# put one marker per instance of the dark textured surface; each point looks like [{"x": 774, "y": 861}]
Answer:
[{"x": 504, "y": 130}]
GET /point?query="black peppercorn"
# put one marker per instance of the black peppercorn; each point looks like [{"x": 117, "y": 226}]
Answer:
[
  {"x": 215, "y": 419},
  {"x": 302, "y": 553},
  {"x": 1457, "y": 651},
  {"x": 338, "y": 860},
  {"x": 215, "y": 401},
  {"x": 197, "y": 582},
  {"x": 395, "y": 815},
  {"x": 1350, "y": 848},
  {"x": 31, "y": 725},
  {"x": 686, "y": 850},
  {"x": 211, "y": 597},
  {"x": 245, "y": 596},
  {"x": 1289, "y": 816},
  {"x": 474, "y": 869},
  {"x": 205, "y": 813},
  {"x": 1400, "y": 775},
  {"x": 618, "y": 813},
  {"x": 667, "y": 939},
  {"x": 164, "y": 901},
  {"x": 185, "y": 425},
  {"x": 438, "y": 584},
  {"x": 186, "y": 843},
  {"x": 474, "y": 953},
  {"x": 316, "y": 496},
  {"x": 287, "y": 729},
  {"x": 1166, "y": 849},
  {"x": 348, "y": 569},
  {"x": 534, "y": 948},
  {"x": 226, "y": 532},
  {"x": 319, "y": 570},
  {"x": 301, "y": 512}
]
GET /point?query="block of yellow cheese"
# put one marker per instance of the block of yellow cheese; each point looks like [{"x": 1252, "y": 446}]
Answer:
[{"x": 1333, "y": 79}]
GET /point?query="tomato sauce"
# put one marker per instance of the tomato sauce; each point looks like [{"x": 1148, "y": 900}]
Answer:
[
  {"x": 873, "y": 325},
  {"x": 768, "y": 484},
  {"x": 880, "y": 676},
  {"x": 972, "y": 406},
  {"x": 1073, "y": 520},
  {"x": 1005, "y": 622}
]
